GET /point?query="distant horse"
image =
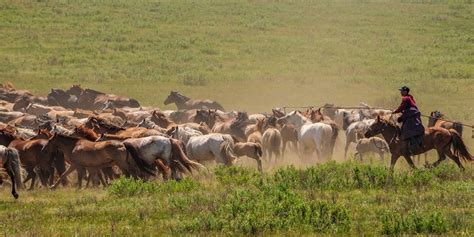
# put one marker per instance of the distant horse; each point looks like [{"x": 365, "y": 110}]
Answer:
[
  {"x": 183, "y": 102},
  {"x": 311, "y": 136},
  {"x": 440, "y": 139},
  {"x": 288, "y": 131},
  {"x": 11, "y": 162},
  {"x": 183, "y": 133}
]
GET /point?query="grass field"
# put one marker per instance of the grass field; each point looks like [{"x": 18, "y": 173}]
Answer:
[{"x": 250, "y": 56}]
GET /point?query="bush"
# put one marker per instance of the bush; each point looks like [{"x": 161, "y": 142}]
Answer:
[
  {"x": 234, "y": 175},
  {"x": 125, "y": 187},
  {"x": 271, "y": 208},
  {"x": 413, "y": 223}
]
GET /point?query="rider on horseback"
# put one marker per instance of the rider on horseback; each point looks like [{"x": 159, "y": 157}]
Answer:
[{"x": 412, "y": 129}]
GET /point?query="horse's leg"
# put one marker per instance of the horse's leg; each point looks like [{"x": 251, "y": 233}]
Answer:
[
  {"x": 441, "y": 157},
  {"x": 393, "y": 161},
  {"x": 454, "y": 158},
  {"x": 102, "y": 180},
  {"x": 63, "y": 175},
  {"x": 409, "y": 161},
  {"x": 33, "y": 180},
  {"x": 12, "y": 177},
  {"x": 284, "y": 147},
  {"x": 346, "y": 147}
]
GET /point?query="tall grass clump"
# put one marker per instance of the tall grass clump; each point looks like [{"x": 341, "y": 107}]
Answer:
[
  {"x": 126, "y": 187},
  {"x": 415, "y": 222},
  {"x": 268, "y": 209}
]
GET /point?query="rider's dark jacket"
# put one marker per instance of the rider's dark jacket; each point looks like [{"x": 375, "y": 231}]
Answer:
[{"x": 411, "y": 118}]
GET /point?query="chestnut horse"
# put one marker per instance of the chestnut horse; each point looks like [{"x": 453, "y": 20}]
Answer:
[
  {"x": 183, "y": 102},
  {"x": 92, "y": 156},
  {"x": 440, "y": 139}
]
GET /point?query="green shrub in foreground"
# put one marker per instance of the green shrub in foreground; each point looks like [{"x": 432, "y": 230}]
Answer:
[
  {"x": 125, "y": 187},
  {"x": 270, "y": 208},
  {"x": 413, "y": 223}
]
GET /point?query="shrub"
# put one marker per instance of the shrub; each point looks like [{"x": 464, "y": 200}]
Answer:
[
  {"x": 413, "y": 223},
  {"x": 271, "y": 208}
]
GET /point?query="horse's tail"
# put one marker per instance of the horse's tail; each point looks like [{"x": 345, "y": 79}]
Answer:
[
  {"x": 258, "y": 150},
  {"x": 459, "y": 148},
  {"x": 13, "y": 165},
  {"x": 458, "y": 127},
  {"x": 142, "y": 165},
  {"x": 227, "y": 150},
  {"x": 178, "y": 155}
]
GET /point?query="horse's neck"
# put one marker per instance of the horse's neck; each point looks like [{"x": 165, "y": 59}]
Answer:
[
  {"x": 66, "y": 143},
  {"x": 180, "y": 103},
  {"x": 389, "y": 134}
]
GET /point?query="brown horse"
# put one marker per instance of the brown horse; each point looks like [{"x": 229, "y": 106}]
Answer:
[
  {"x": 92, "y": 156},
  {"x": 183, "y": 102},
  {"x": 32, "y": 156},
  {"x": 235, "y": 127},
  {"x": 436, "y": 120},
  {"x": 162, "y": 121},
  {"x": 440, "y": 139}
]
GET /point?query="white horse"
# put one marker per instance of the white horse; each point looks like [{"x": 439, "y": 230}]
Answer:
[
  {"x": 352, "y": 130},
  {"x": 311, "y": 136},
  {"x": 183, "y": 133},
  {"x": 166, "y": 153},
  {"x": 213, "y": 146}
]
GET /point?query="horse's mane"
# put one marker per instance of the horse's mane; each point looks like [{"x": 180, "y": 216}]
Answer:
[
  {"x": 101, "y": 122},
  {"x": 182, "y": 96},
  {"x": 87, "y": 133}
]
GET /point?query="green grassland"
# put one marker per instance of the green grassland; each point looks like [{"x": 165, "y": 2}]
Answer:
[{"x": 251, "y": 56}]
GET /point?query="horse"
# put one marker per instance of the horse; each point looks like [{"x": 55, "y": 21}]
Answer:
[
  {"x": 164, "y": 152},
  {"x": 440, "y": 139},
  {"x": 288, "y": 131},
  {"x": 436, "y": 120},
  {"x": 235, "y": 127},
  {"x": 372, "y": 144},
  {"x": 92, "y": 156},
  {"x": 161, "y": 120},
  {"x": 351, "y": 132},
  {"x": 249, "y": 149},
  {"x": 33, "y": 156},
  {"x": 183, "y": 133},
  {"x": 183, "y": 102},
  {"x": 311, "y": 136},
  {"x": 11, "y": 162},
  {"x": 92, "y": 100},
  {"x": 271, "y": 141},
  {"x": 214, "y": 146}
]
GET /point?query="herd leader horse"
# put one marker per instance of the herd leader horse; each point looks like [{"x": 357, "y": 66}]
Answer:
[{"x": 437, "y": 138}]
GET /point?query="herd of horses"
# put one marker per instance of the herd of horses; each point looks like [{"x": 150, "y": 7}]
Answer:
[{"x": 102, "y": 136}]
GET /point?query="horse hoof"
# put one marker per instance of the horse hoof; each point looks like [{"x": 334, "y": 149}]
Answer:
[{"x": 15, "y": 195}]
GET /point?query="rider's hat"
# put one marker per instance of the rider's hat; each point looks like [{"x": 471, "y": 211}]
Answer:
[{"x": 404, "y": 88}]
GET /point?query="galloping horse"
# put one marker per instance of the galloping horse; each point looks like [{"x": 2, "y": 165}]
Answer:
[
  {"x": 436, "y": 120},
  {"x": 439, "y": 139},
  {"x": 183, "y": 102}
]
